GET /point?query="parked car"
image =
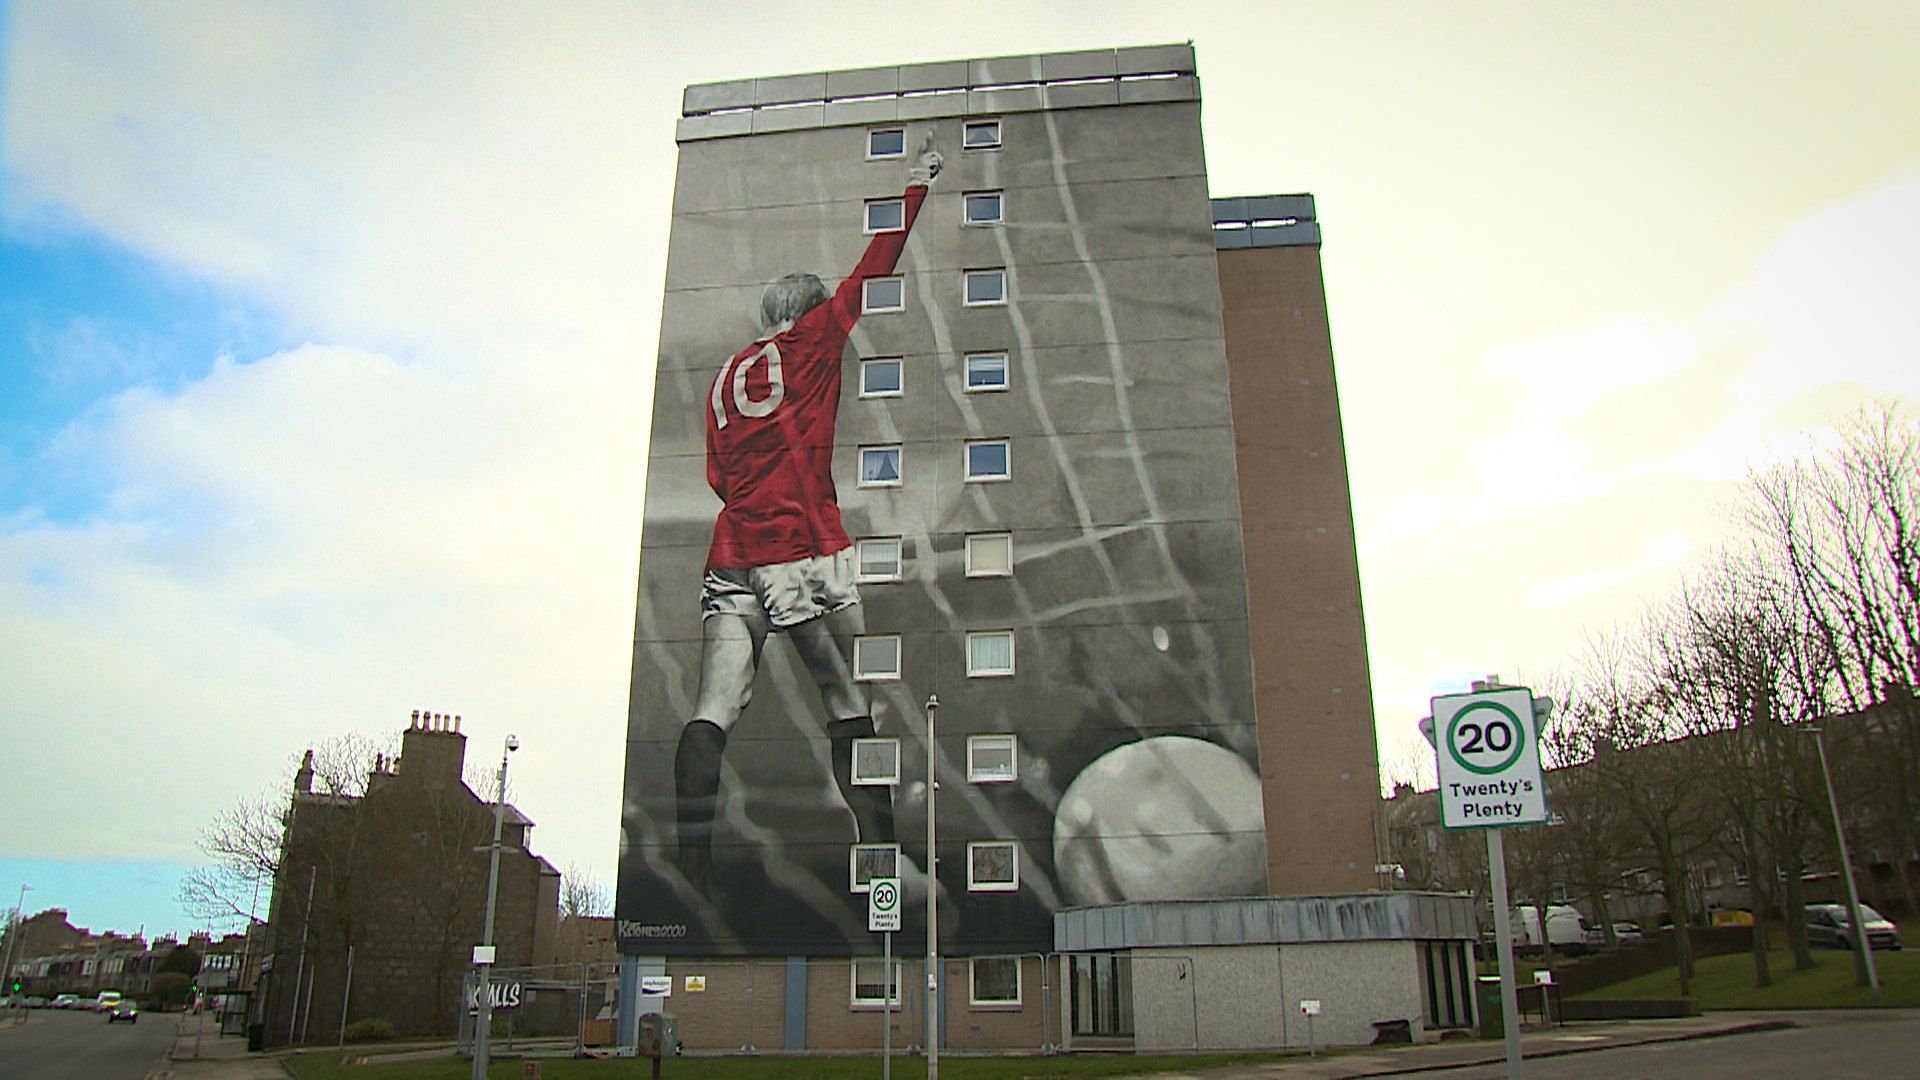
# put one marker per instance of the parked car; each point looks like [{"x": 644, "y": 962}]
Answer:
[
  {"x": 1832, "y": 925},
  {"x": 107, "y": 1000},
  {"x": 1624, "y": 933},
  {"x": 65, "y": 1001},
  {"x": 124, "y": 1009}
]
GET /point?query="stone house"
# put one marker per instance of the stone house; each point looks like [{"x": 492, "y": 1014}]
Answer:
[{"x": 380, "y": 897}]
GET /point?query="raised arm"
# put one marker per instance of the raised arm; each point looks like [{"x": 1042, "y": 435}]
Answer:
[{"x": 883, "y": 252}]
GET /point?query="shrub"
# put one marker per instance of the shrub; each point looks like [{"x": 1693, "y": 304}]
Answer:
[{"x": 372, "y": 1029}]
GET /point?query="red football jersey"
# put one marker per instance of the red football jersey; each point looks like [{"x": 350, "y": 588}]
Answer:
[{"x": 770, "y": 426}]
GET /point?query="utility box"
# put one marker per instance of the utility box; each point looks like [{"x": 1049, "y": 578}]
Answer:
[{"x": 659, "y": 1035}]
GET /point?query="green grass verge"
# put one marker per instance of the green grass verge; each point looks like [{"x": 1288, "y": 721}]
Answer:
[
  {"x": 1727, "y": 982},
  {"x": 332, "y": 1065}
]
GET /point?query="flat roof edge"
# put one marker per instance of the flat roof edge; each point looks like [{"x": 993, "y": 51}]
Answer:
[{"x": 1002, "y": 84}]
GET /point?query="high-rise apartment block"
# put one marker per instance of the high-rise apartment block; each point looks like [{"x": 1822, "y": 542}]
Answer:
[{"x": 1049, "y": 456}]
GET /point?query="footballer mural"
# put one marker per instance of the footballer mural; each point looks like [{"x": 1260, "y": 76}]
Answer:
[{"x": 985, "y": 459}]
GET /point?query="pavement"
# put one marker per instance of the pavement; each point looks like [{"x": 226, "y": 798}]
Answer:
[{"x": 201, "y": 1053}]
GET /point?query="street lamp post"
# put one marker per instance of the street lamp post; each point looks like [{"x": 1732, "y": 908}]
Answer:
[
  {"x": 15, "y": 930},
  {"x": 484, "y": 955},
  {"x": 1863, "y": 948},
  {"x": 933, "y": 907}
]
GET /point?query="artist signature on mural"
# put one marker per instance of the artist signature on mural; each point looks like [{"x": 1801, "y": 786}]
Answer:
[{"x": 634, "y": 928}]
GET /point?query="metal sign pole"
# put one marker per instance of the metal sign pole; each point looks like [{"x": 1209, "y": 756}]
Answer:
[
  {"x": 1503, "y": 931},
  {"x": 886, "y": 1008}
]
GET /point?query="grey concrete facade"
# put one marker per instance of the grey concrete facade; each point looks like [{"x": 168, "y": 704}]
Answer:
[{"x": 1127, "y": 601}]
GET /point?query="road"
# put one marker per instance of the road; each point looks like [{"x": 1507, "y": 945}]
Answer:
[
  {"x": 1860, "y": 1044},
  {"x": 57, "y": 1044}
]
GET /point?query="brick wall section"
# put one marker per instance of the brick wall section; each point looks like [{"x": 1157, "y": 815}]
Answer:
[
  {"x": 718, "y": 1017},
  {"x": 1312, "y": 689}
]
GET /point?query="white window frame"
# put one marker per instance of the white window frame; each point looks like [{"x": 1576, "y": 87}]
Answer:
[
  {"x": 872, "y": 206},
  {"x": 1006, "y": 372},
  {"x": 878, "y": 544},
  {"x": 974, "y": 884},
  {"x": 875, "y": 1003},
  {"x": 966, "y": 290},
  {"x": 867, "y": 305},
  {"x": 890, "y": 155},
  {"x": 899, "y": 466},
  {"x": 864, "y": 645},
  {"x": 974, "y": 672},
  {"x": 980, "y": 775},
  {"x": 974, "y": 570},
  {"x": 854, "y": 884},
  {"x": 886, "y": 779},
  {"x": 967, "y": 216},
  {"x": 971, "y": 127},
  {"x": 973, "y": 983},
  {"x": 966, "y": 461},
  {"x": 873, "y": 363}
]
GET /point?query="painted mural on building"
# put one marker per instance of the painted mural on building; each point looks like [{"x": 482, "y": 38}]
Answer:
[{"x": 940, "y": 411}]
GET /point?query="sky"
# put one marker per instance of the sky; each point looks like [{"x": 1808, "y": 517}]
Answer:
[{"x": 327, "y": 334}]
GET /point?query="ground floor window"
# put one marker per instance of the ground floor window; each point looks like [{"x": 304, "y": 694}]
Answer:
[
  {"x": 1103, "y": 994},
  {"x": 994, "y": 980},
  {"x": 870, "y": 982},
  {"x": 1446, "y": 969}
]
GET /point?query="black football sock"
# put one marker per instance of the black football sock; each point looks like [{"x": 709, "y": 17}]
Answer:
[
  {"x": 872, "y": 804},
  {"x": 696, "y": 785}
]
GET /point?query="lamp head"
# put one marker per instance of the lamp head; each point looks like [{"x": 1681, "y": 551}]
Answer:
[{"x": 513, "y": 743}]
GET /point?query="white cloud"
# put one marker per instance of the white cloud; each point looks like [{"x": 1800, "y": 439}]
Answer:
[{"x": 443, "y": 513}]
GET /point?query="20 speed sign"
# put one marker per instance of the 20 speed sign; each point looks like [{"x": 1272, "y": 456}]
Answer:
[
  {"x": 883, "y": 904},
  {"x": 1489, "y": 755}
]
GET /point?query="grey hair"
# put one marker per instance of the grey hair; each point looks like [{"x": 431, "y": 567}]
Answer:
[{"x": 789, "y": 298}]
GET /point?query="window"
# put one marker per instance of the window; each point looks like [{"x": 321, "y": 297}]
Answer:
[
  {"x": 986, "y": 371},
  {"x": 876, "y": 659},
  {"x": 980, "y": 135},
  {"x": 980, "y": 208},
  {"x": 1102, "y": 993},
  {"x": 870, "y": 984},
  {"x": 990, "y": 759},
  {"x": 994, "y": 980},
  {"x": 878, "y": 559},
  {"x": 880, "y": 377},
  {"x": 993, "y": 866},
  {"x": 868, "y": 861},
  {"x": 988, "y": 461},
  {"x": 876, "y": 762},
  {"x": 989, "y": 654},
  {"x": 985, "y": 287},
  {"x": 879, "y": 466},
  {"x": 882, "y": 294},
  {"x": 886, "y": 215},
  {"x": 887, "y": 143},
  {"x": 990, "y": 555}
]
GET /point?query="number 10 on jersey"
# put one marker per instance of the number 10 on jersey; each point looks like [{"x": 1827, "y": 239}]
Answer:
[{"x": 1489, "y": 754}]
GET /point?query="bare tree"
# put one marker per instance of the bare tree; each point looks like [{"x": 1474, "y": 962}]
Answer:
[
  {"x": 582, "y": 900},
  {"x": 1845, "y": 526},
  {"x": 245, "y": 844}
]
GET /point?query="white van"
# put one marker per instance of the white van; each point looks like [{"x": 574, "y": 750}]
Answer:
[
  {"x": 106, "y": 1001},
  {"x": 1566, "y": 930}
]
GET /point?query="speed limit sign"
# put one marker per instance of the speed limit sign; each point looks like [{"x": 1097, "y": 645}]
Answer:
[
  {"x": 883, "y": 904},
  {"x": 1489, "y": 752}
]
